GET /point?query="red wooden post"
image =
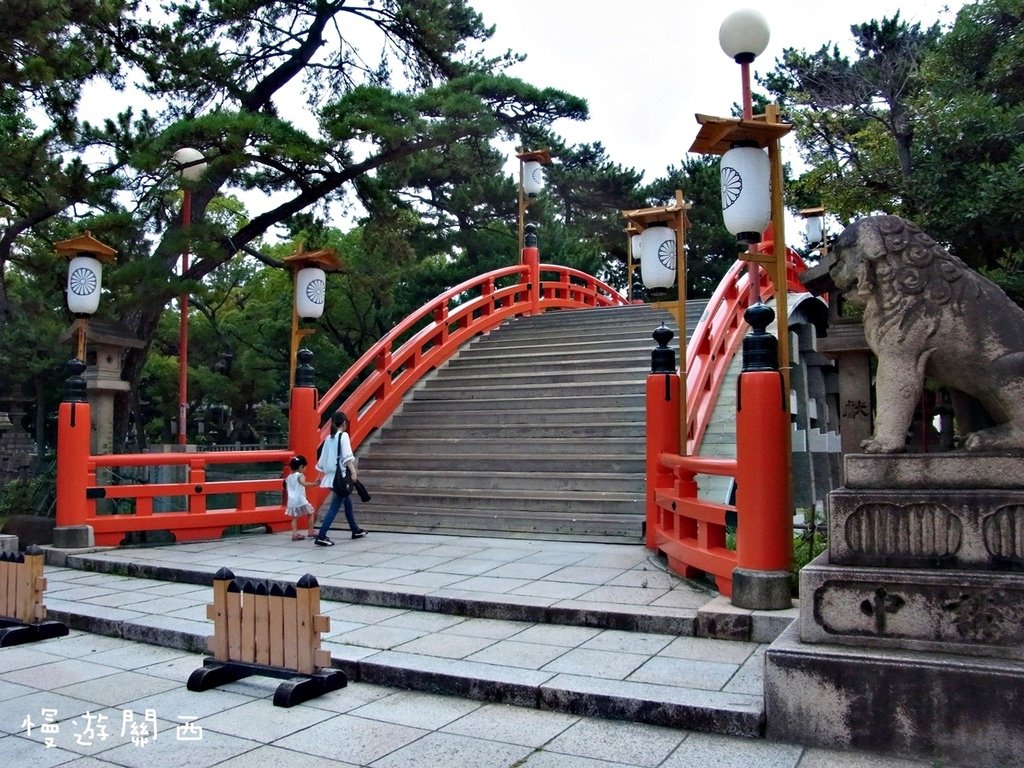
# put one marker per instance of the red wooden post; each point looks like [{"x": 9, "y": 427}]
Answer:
[
  {"x": 764, "y": 536},
  {"x": 74, "y": 437},
  {"x": 531, "y": 258},
  {"x": 303, "y": 423},
  {"x": 663, "y": 409}
]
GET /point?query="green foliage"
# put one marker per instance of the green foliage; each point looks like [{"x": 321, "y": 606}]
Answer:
[{"x": 923, "y": 123}]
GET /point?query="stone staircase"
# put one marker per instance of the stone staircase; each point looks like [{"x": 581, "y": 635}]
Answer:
[{"x": 535, "y": 430}]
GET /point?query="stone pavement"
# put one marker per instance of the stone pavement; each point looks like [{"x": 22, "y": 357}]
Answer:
[{"x": 564, "y": 630}]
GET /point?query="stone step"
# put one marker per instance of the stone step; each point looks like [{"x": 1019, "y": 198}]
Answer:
[
  {"x": 536, "y": 376},
  {"x": 558, "y": 502},
  {"x": 424, "y": 402},
  {"x": 559, "y": 481},
  {"x": 450, "y": 519},
  {"x": 400, "y": 429},
  {"x": 613, "y": 446},
  {"x": 414, "y": 417},
  {"x": 656, "y": 664},
  {"x": 495, "y": 463},
  {"x": 522, "y": 391}
]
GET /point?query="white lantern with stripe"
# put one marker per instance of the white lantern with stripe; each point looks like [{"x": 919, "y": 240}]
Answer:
[
  {"x": 310, "y": 292},
  {"x": 746, "y": 192},
  {"x": 85, "y": 275},
  {"x": 533, "y": 178},
  {"x": 635, "y": 247},
  {"x": 658, "y": 257}
]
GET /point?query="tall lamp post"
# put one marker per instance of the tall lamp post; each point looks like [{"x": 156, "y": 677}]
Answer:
[
  {"x": 751, "y": 198},
  {"x": 191, "y": 165},
  {"x": 531, "y": 182},
  {"x": 86, "y": 256},
  {"x": 310, "y": 270},
  {"x": 745, "y": 169}
]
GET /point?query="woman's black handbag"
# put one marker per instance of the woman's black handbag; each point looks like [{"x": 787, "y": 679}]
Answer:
[{"x": 342, "y": 484}]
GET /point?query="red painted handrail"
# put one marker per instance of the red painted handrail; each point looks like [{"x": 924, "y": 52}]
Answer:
[
  {"x": 390, "y": 368},
  {"x": 718, "y": 335}
]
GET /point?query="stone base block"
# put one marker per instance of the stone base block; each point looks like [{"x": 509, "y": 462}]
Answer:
[
  {"x": 955, "y": 470},
  {"x": 761, "y": 590},
  {"x": 927, "y": 528},
  {"x": 73, "y": 537},
  {"x": 936, "y": 706},
  {"x": 967, "y": 612}
]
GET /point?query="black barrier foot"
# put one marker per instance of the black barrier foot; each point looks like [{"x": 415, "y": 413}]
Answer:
[
  {"x": 30, "y": 633},
  {"x": 214, "y": 673},
  {"x": 300, "y": 689}
]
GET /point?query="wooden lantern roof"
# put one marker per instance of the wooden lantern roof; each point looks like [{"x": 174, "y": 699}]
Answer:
[
  {"x": 718, "y": 134},
  {"x": 86, "y": 245},
  {"x": 325, "y": 259}
]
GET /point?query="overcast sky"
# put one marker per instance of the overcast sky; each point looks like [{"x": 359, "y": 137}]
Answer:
[{"x": 646, "y": 67}]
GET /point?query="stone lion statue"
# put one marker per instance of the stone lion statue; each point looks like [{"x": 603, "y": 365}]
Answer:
[{"x": 927, "y": 314}]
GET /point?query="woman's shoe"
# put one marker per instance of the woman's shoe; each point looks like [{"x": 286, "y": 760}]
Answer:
[
  {"x": 297, "y": 537},
  {"x": 323, "y": 542},
  {"x": 358, "y": 534}
]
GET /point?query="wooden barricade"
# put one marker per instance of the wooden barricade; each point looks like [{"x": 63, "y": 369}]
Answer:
[
  {"x": 22, "y": 613},
  {"x": 271, "y": 631}
]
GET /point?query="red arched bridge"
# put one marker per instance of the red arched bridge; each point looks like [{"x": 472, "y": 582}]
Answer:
[{"x": 193, "y": 506}]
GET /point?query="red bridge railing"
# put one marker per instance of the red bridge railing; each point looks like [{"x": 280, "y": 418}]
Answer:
[
  {"x": 368, "y": 392},
  {"x": 691, "y": 531}
]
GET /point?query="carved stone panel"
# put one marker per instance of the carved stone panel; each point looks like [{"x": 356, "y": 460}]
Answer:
[
  {"x": 927, "y": 529},
  {"x": 971, "y": 613}
]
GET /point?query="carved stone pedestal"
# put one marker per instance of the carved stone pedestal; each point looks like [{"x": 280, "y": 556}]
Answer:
[{"x": 911, "y": 631}]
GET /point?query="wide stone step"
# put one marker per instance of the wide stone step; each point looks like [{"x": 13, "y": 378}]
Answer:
[
  {"x": 473, "y": 521},
  {"x": 630, "y": 446},
  {"x": 523, "y": 391},
  {"x": 415, "y": 417},
  {"x": 401, "y": 429},
  {"x": 530, "y": 354},
  {"x": 570, "y": 375},
  {"x": 375, "y": 459},
  {"x": 580, "y": 482},
  {"x": 536, "y": 502},
  {"x": 609, "y": 339},
  {"x": 424, "y": 401}
]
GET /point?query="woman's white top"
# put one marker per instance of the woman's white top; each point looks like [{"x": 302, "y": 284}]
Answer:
[{"x": 328, "y": 461}]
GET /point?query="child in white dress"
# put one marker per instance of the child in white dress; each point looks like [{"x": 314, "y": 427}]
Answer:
[{"x": 297, "y": 505}]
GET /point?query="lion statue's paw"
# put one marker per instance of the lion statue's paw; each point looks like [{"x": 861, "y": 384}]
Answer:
[
  {"x": 871, "y": 445},
  {"x": 1005, "y": 437}
]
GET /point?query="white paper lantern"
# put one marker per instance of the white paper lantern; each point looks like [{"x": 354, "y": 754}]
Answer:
[
  {"x": 658, "y": 257},
  {"x": 746, "y": 192},
  {"x": 85, "y": 275},
  {"x": 635, "y": 247},
  {"x": 814, "y": 229},
  {"x": 310, "y": 292},
  {"x": 533, "y": 178},
  {"x": 744, "y": 35},
  {"x": 190, "y": 163}
]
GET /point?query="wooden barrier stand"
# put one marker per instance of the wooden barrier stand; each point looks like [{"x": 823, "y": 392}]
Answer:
[
  {"x": 268, "y": 631},
  {"x": 22, "y": 612}
]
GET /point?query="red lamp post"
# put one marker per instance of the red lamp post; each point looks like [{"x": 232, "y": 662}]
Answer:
[{"x": 191, "y": 165}]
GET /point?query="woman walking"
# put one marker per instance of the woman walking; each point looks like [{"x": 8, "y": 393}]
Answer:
[{"x": 336, "y": 455}]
